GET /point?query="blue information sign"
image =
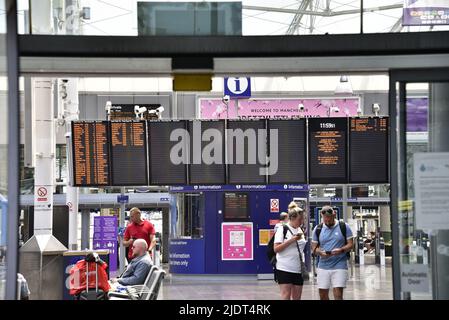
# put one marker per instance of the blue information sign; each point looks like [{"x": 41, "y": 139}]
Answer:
[
  {"x": 122, "y": 199},
  {"x": 237, "y": 87}
]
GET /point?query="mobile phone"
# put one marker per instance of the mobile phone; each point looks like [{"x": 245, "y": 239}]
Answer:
[{"x": 328, "y": 252}]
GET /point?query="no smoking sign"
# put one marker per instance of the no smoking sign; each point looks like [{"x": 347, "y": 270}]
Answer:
[
  {"x": 42, "y": 192},
  {"x": 274, "y": 205}
]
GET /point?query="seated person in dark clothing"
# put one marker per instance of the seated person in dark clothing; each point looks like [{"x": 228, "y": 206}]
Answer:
[
  {"x": 370, "y": 243},
  {"x": 137, "y": 270}
]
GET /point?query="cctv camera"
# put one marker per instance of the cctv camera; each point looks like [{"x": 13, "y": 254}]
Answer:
[
  {"x": 142, "y": 110},
  {"x": 160, "y": 109},
  {"x": 301, "y": 107},
  {"x": 335, "y": 109},
  {"x": 108, "y": 106},
  {"x": 226, "y": 99},
  {"x": 136, "y": 109},
  {"x": 376, "y": 108}
]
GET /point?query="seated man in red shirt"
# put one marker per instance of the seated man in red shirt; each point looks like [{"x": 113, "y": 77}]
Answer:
[{"x": 138, "y": 229}]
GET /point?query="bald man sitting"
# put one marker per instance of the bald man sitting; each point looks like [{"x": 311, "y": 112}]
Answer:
[{"x": 138, "y": 268}]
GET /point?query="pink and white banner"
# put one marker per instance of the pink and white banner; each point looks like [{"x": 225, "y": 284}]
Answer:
[
  {"x": 215, "y": 108},
  {"x": 237, "y": 241}
]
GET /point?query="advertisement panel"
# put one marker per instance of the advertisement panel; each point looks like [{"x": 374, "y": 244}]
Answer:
[
  {"x": 425, "y": 12},
  {"x": 237, "y": 241},
  {"x": 417, "y": 114},
  {"x": 105, "y": 237},
  {"x": 215, "y": 108}
]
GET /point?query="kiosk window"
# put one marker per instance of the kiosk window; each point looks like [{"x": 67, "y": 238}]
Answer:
[
  {"x": 236, "y": 207},
  {"x": 190, "y": 215}
]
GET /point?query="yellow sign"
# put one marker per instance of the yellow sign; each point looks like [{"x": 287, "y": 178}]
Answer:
[
  {"x": 192, "y": 82},
  {"x": 265, "y": 236},
  {"x": 405, "y": 205}
]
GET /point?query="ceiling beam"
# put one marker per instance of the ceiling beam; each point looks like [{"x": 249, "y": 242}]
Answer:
[{"x": 323, "y": 13}]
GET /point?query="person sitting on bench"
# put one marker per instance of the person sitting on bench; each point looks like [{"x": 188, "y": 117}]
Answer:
[{"x": 137, "y": 270}]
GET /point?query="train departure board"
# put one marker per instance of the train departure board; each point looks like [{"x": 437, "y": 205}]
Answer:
[
  {"x": 236, "y": 206},
  {"x": 327, "y": 150},
  {"x": 244, "y": 150},
  {"x": 207, "y": 163},
  {"x": 128, "y": 153},
  {"x": 168, "y": 159},
  {"x": 291, "y": 150},
  {"x": 368, "y": 150},
  {"x": 90, "y": 153}
]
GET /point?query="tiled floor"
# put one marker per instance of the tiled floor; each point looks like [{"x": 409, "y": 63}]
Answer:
[{"x": 369, "y": 282}]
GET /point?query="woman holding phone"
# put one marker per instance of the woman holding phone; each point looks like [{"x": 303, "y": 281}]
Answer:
[{"x": 289, "y": 243}]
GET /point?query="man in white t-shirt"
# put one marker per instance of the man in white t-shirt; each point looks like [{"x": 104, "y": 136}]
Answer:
[{"x": 289, "y": 248}]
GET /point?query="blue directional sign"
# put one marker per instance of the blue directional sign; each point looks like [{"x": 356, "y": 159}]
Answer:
[
  {"x": 237, "y": 87},
  {"x": 122, "y": 199}
]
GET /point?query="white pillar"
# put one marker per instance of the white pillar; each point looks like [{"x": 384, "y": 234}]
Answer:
[
  {"x": 68, "y": 91},
  {"x": 42, "y": 98}
]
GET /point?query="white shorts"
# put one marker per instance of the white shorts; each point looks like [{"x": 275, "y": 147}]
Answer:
[{"x": 332, "y": 278}]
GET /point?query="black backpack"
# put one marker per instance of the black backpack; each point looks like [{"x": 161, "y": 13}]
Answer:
[
  {"x": 271, "y": 255},
  {"x": 342, "y": 225}
]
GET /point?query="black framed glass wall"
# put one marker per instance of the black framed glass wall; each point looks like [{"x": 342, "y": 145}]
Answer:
[
  {"x": 420, "y": 184},
  {"x": 246, "y": 17},
  {"x": 3, "y": 153},
  {"x": 9, "y": 149}
]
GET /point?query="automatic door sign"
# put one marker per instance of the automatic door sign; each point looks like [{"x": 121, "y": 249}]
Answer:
[
  {"x": 274, "y": 205},
  {"x": 415, "y": 278}
]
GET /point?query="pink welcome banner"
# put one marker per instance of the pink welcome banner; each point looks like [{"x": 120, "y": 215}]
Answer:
[
  {"x": 237, "y": 241},
  {"x": 278, "y": 108}
]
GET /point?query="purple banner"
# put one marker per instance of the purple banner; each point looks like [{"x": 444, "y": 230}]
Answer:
[
  {"x": 417, "y": 110},
  {"x": 425, "y": 12},
  {"x": 105, "y": 237}
]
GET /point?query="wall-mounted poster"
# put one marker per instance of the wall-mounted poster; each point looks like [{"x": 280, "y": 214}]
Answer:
[
  {"x": 264, "y": 236},
  {"x": 237, "y": 241},
  {"x": 417, "y": 114}
]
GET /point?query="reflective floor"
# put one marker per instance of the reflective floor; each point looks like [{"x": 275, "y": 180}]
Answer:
[{"x": 369, "y": 282}]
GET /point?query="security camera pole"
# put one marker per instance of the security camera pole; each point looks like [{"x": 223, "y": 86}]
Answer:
[{"x": 70, "y": 108}]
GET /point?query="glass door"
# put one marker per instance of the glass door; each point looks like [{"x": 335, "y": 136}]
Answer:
[{"x": 419, "y": 110}]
